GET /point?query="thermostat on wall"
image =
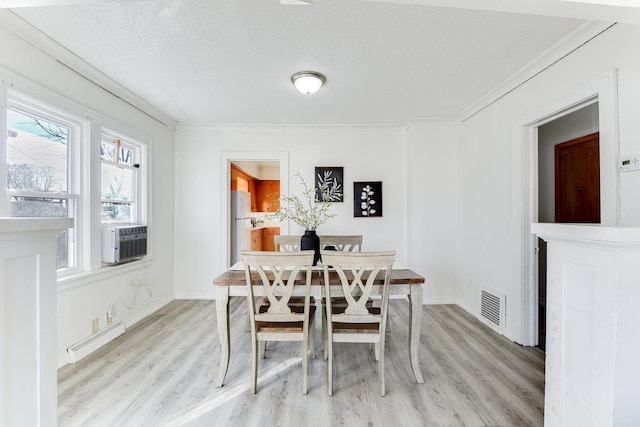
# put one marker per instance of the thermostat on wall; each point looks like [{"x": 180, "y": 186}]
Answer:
[{"x": 630, "y": 163}]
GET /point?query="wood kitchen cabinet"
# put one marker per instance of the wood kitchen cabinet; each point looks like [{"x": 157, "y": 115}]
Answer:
[
  {"x": 268, "y": 243},
  {"x": 256, "y": 239},
  {"x": 262, "y": 239},
  {"x": 267, "y": 195}
]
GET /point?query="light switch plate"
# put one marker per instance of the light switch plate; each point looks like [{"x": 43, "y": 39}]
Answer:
[{"x": 629, "y": 163}]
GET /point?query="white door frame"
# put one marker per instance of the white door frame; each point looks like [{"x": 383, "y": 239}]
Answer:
[
  {"x": 525, "y": 177},
  {"x": 226, "y": 157}
]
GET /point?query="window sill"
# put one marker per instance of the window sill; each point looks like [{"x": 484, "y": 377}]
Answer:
[{"x": 106, "y": 271}]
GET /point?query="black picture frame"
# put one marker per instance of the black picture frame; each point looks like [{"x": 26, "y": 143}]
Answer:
[
  {"x": 329, "y": 183},
  {"x": 367, "y": 199}
]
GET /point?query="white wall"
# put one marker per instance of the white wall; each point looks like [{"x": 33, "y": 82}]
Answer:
[
  {"x": 80, "y": 300},
  {"x": 487, "y": 247},
  {"x": 366, "y": 153},
  {"x": 431, "y": 206}
]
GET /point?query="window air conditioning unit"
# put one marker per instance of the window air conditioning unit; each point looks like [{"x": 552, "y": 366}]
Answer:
[{"x": 123, "y": 243}]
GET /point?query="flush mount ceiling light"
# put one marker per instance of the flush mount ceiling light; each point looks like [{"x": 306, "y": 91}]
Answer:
[{"x": 308, "y": 82}]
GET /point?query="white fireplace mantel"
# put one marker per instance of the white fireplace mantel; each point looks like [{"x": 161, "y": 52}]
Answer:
[
  {"x": 28, "y": 299},
  {"x": 593, "y": 318}
]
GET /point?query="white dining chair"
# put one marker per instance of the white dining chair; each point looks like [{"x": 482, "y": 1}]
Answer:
[
  {"x": 277, "y": 319},
  {"x": 357, "y": 322},
  {"x": 343, "y": 243}
]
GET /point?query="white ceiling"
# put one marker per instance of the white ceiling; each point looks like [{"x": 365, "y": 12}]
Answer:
[{"x": 229, "y": 61}]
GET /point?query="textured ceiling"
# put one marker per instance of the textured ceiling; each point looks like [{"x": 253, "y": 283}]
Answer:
[{"x": 229, "y": 61}]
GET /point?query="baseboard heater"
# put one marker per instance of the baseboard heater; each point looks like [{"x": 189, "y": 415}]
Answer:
[{"x": 90, "y": 344}]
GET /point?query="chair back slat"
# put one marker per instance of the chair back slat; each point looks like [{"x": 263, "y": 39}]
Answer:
[
  {"x": 342, "y": 243},
  {"x": 287, "y": 243}
]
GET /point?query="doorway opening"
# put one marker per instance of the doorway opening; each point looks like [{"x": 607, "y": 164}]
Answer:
[
  {"x": 600, "y": 93},
  {"x": 245, "y": 158},
  {"x": 254, "y": 190},
  {"x": 568, "y": 183}
]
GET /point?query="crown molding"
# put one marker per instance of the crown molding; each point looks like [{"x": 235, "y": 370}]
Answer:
[
  {"x": 390, "y": 127},
  {"x": 569, "y": 44}
]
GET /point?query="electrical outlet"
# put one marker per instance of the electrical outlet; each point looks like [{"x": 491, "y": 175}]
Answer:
[
  {"x": 95, "y": 325},
  {"x": 109, "y": 317}
]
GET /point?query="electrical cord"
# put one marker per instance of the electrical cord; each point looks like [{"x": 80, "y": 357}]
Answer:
[{"x": 138, "y": 284}]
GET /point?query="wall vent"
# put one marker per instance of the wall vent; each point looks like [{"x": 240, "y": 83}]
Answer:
[
  {"x": 492, "y": 308},
  {"x": 95, "y": 341}
]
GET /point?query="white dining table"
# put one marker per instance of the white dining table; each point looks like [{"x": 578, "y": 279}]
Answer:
[{"x": 232, "y": 282}]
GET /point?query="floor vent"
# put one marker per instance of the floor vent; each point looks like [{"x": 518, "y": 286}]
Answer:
[
  {"x": 95, "y": 341},
  {"x": 492, "y": 306}
]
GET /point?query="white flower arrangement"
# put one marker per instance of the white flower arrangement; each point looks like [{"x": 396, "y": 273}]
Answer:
[{"x": 306, "y": 213}]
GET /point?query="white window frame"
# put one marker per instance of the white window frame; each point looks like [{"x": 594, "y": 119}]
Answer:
[{"x": 77, "y": 132}]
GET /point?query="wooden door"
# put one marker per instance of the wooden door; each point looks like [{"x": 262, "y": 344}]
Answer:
[{"x": 577, "y": 180}]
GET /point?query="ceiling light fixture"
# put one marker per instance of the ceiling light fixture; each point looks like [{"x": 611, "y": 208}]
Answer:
[{"x": 308, "y": 82}]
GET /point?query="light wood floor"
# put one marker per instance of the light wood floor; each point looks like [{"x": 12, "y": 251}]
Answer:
[{"x": 160, "y": 373}]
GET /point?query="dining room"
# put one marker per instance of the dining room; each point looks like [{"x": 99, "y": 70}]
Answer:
[{"x": 449, "y": 147}]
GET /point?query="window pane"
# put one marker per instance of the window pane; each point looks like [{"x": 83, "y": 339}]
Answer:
[
  {"x": 117, "y": 183},
  {"x": 126, "y": 156},
  {"x": 36, "y": 153},
  {"x": 39, "y": 207},
  {"x": 107, "y": 150},
  {"x": 117, "y": 212},
  {"x": 63, "y": 260},
  {"x": 49, "y": 208}
]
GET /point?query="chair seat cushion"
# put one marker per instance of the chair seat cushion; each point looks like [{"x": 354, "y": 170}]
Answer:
[
  {"x": 339, "y": 327},
  {"x": 340, "y": 308},
  {"x": 372, "y": 328},
  {"x": 285, "y": 326},
  {"x": 292, "y": 301},
  {"x": 343, "y": 301}
]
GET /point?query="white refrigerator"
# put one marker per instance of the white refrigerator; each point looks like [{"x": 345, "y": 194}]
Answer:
[{"x": 240, "y": 224}]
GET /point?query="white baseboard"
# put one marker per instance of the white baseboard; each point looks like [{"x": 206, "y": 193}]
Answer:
[
  {"x": 90, "y": 344},
  {"x": 196, "y": 296},
  {"x": 108, "y": 334},
  {"x": 438, "y": 301}
]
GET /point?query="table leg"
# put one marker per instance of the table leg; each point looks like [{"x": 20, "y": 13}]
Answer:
[
  {"x": 415, "y": 320},
  {"x": 222, "y": 317}
]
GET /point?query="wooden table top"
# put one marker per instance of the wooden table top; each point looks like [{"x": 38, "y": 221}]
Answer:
[{"x": 403, "y": 276}]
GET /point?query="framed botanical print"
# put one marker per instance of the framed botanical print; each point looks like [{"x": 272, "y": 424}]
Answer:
[
  {"x": 367, "y": 199},
  {"x": 329, "y": 184}
]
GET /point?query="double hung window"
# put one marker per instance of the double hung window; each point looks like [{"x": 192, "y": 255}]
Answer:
[
  {"x": 41, "y": 167},
  {"x": 120, "y": 179}
]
